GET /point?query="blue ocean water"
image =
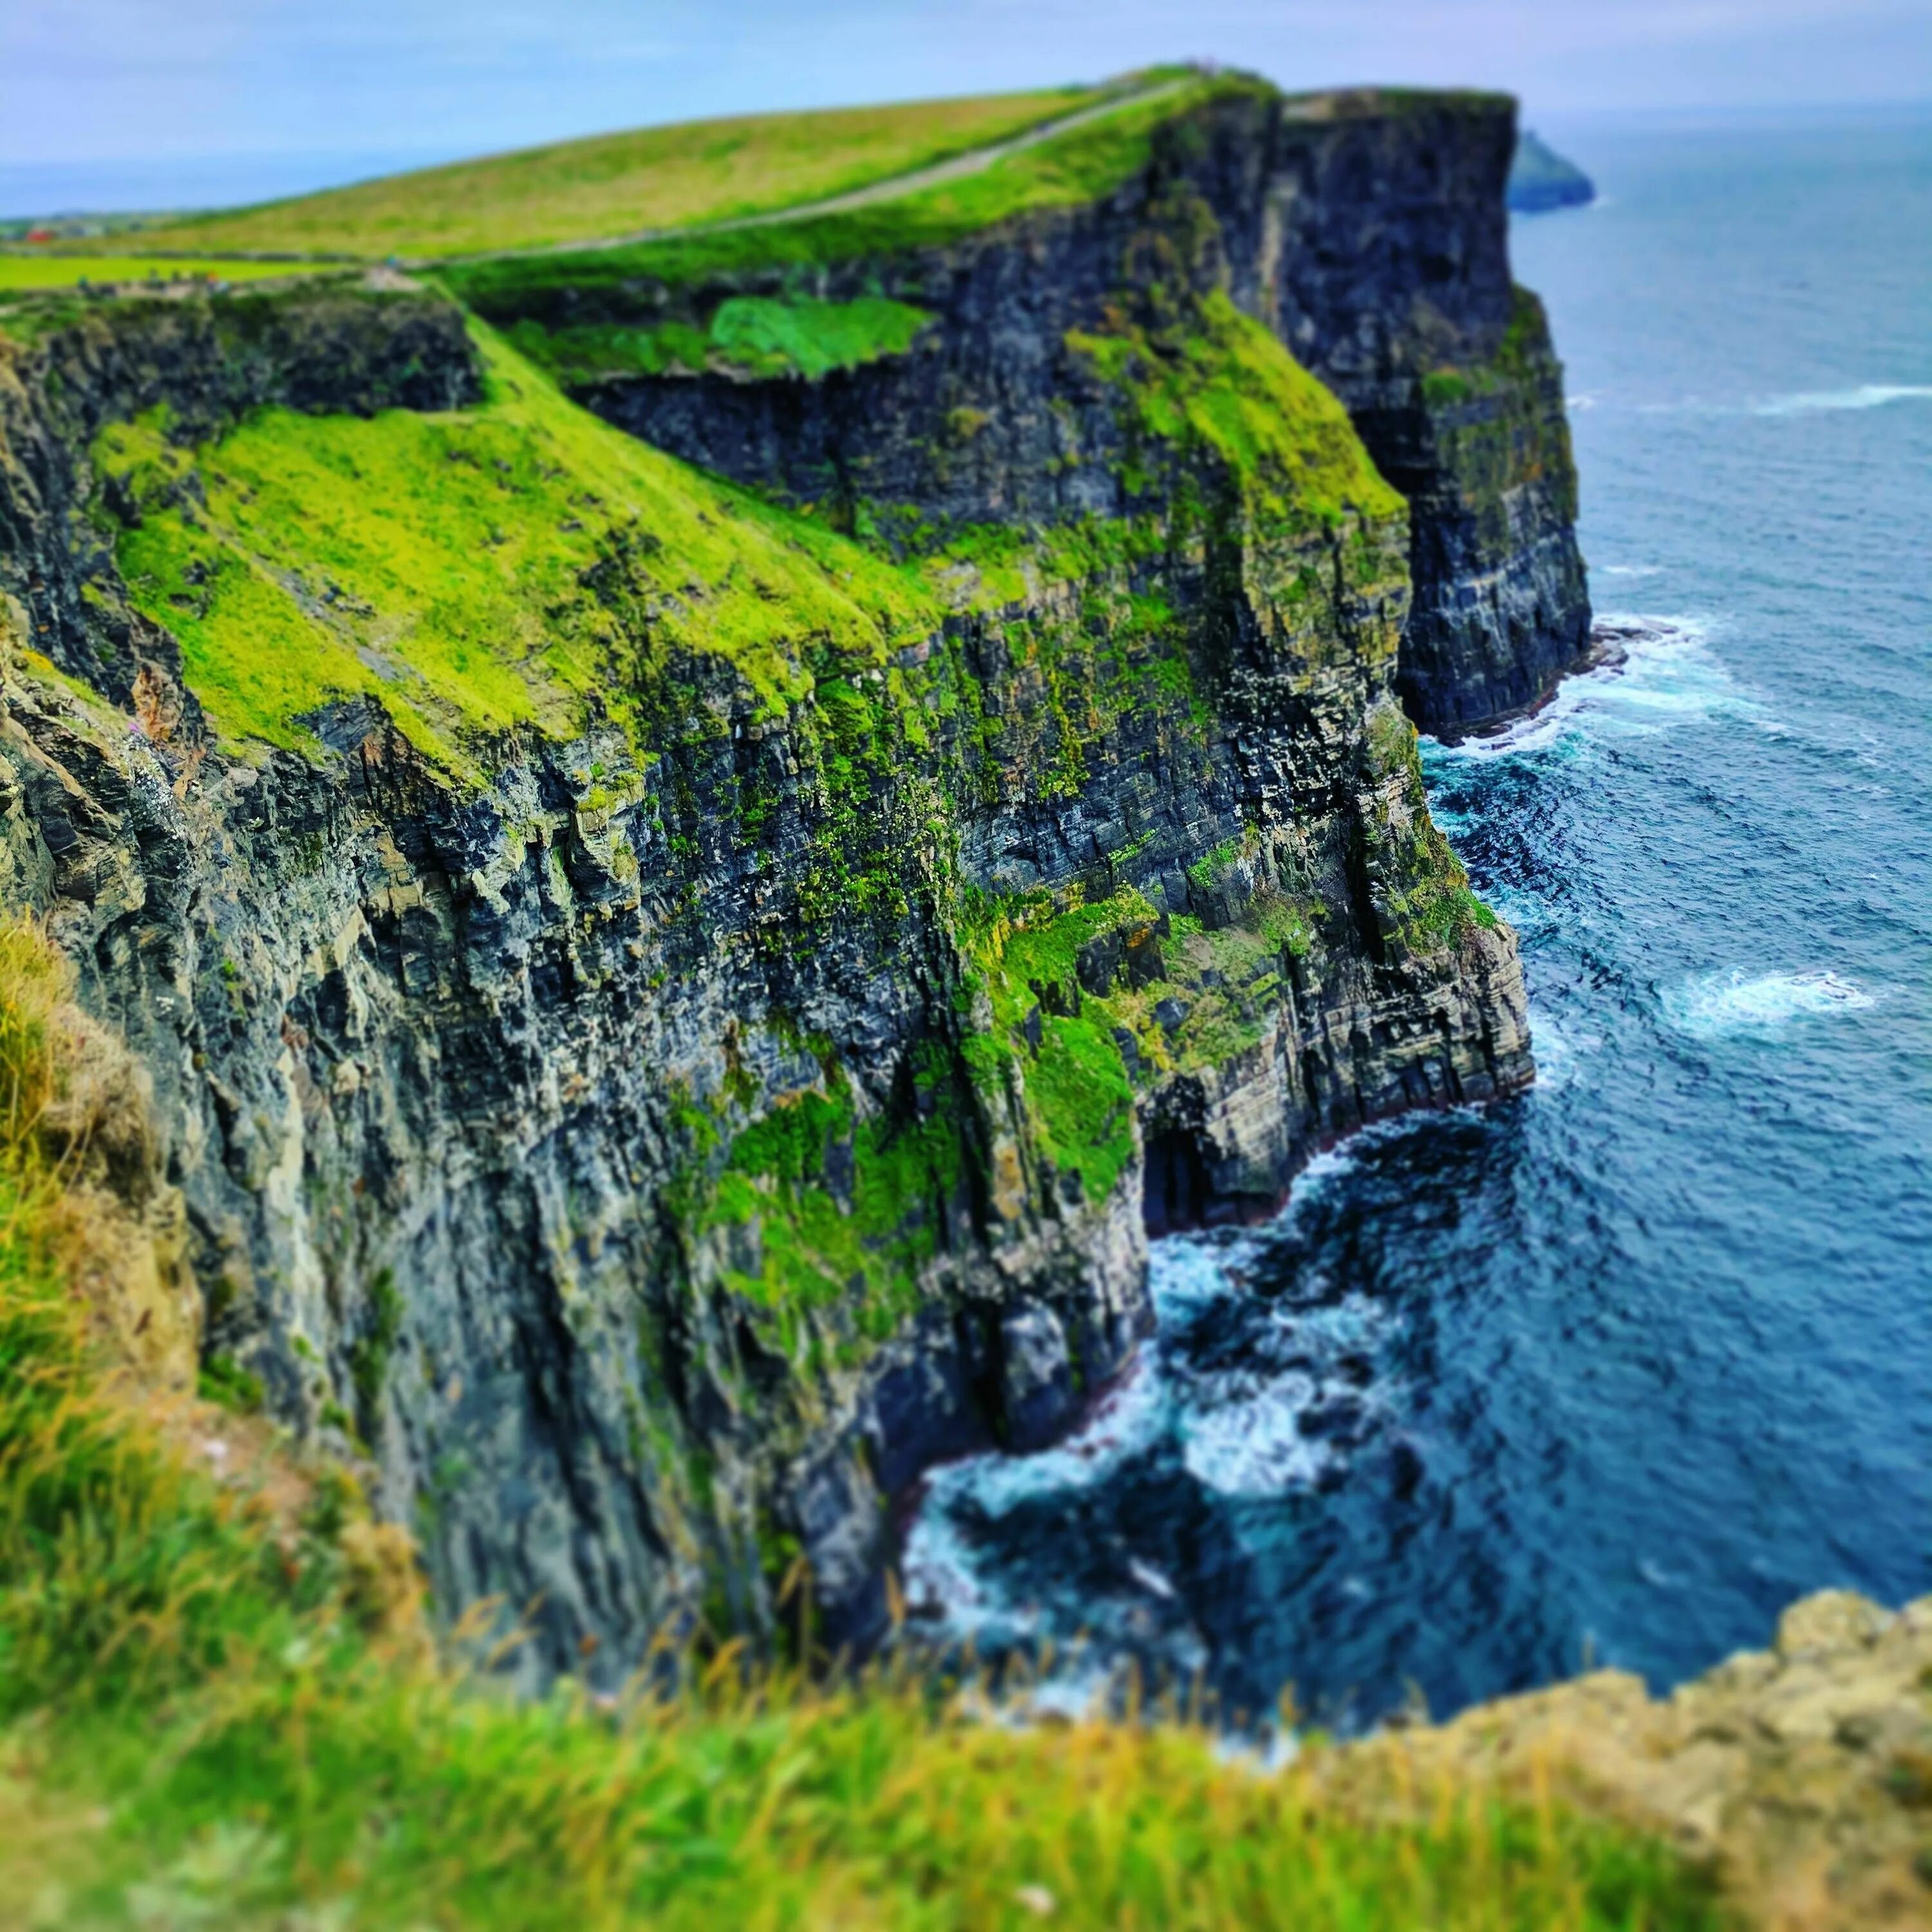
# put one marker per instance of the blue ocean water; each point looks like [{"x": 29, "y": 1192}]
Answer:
[{"x": 1611, "y": 1373}]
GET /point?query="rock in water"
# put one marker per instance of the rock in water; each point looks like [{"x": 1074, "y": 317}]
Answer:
[{"x": 1540, "y": 179}]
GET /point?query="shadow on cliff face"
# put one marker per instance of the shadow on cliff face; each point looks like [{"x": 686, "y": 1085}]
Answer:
[{"x": 1179, "y": 1196}]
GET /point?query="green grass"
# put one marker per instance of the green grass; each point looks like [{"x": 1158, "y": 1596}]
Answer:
[
  {"x": 617, "y": 185},
  {"x": 18, "y": 271},
  {"x": 1211, "y": 379},
  {"x": 1426, "y": 894},
  {"x": 859, "y": 1248},
  {"x": 753, "y": 334},
  {"x": 449, "y": 565},
  {"x": 331, "y": 1787},
  {"x": 1080, "y": 166},
  {"x": 805, "y": 337},
  {"x": 1075, "y": 1080}
]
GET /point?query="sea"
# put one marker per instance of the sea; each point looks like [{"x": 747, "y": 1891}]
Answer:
[{"x": 1611, "y": 1373}]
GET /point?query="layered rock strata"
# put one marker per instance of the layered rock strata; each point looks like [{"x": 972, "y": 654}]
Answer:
[
  {"x": 653, "y": 1118},
  {"x": 1367, "y": 230}
]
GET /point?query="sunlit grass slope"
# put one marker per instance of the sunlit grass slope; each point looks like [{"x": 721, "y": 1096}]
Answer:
[
  {"x": 208, "y": 1719},
  {"x": 522, "y": 564},
  {"x": 615, "y": 184},
  {"x": 477, "y": 571},
  {"x": 28, "y": 270}
]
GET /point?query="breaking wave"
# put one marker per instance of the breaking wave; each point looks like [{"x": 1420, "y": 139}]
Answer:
[
  {"x": 1665, "y": 674},
  {"x": 1717, "y": 1004},
  {"x": 1256, "y": 1386},
  {"x": 1866, "y": 396}
]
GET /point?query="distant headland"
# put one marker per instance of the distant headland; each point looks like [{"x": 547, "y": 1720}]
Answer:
[{"x": 1540, "y": 179}]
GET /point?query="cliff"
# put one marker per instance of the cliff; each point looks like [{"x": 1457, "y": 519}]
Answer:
[
  {"x": 899, "y": 374},
  {"x": 669, "y": 1009}
]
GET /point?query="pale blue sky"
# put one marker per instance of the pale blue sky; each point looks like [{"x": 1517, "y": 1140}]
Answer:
[{"x": 134, "y": 102}]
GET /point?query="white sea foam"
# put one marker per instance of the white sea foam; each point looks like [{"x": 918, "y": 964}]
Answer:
[
  {"x": 943, "y": 1574},
  {"x": 943, "y": 1580},
  {"x": 1186, "y": 1272},
  {"x": 1328, "y": 1166},
  {"x": 1668, "y": 676},
  {"x": 1149, "y": 1578},
  {"x": 1716, "y": 1004},
  {"x": 1238, "y": 1433},
  {"x": 1866, "y": 396},
  {"x": 1255, "y": 1447},
  {"x": 1528, "y": 912},
  {"x": 1807, "y": 402},
  {"x": 1128, "y": 1418},
  {"x": 1558, "y": 1050},
  {"x": 1626, "y": 569}
]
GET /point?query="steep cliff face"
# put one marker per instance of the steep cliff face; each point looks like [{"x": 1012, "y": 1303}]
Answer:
[
  {"x": 1366, "y": 230},
  {"x": 1382, "y": 260},
  {"x": 666, "y": 1019}
]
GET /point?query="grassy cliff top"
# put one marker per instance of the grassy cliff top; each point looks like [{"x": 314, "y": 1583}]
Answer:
[
  {"x": 619, "y": 184},
  {"x": 1085, "y": 162},
  {"x": 696, "y": 197}
]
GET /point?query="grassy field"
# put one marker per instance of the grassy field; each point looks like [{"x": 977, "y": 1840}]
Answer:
[
  {"x": 25, "y": 271},
  {"x": 211, "y": 1715},
  {"x": 617, "y": 185},
  {"x": 1080, "y": 165}
]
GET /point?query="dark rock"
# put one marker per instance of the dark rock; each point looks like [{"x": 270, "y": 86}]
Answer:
[
  {"x": 1541, "y": 180},
  {"x": 1036, "y": 1377},
  {"x": 1098, "y": 963}
]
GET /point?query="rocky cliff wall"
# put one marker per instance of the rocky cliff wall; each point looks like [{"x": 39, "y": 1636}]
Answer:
[
  {"x": 1381, "y": 255},
  {"x": 658, "y": 1053},
  {"x": 1367, "y": 229}
]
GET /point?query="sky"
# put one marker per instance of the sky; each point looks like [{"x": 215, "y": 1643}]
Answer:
[{"x": 131, "y": 104}]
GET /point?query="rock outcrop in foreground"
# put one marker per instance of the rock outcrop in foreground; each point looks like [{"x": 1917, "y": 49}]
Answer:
[
  {"x": 1804, "y": 1771},
  {"x": 670, "y": 1008}
]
